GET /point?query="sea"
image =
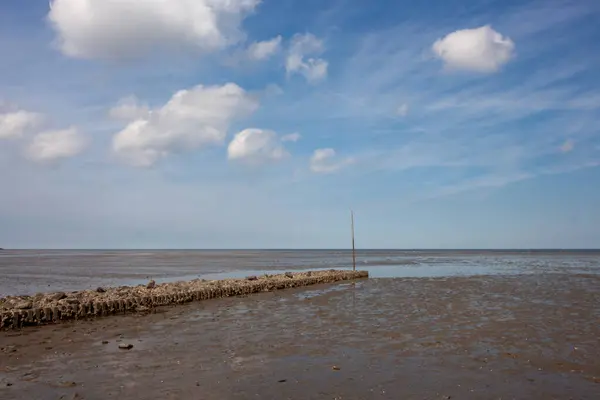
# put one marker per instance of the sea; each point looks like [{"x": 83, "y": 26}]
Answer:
[{"x": 27, "y": 272}]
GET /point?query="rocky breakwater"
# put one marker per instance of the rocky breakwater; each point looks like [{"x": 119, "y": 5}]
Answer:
[{"x": 19, "y": 311}]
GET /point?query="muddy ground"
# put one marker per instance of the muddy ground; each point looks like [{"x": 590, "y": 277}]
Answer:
[{"x": 500, "y": 337}]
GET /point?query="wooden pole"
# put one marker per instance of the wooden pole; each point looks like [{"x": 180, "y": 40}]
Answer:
[{"x": 353, "y": 249}]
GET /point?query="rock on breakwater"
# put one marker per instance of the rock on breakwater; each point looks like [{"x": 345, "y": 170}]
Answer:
[{"x": 19, "y": 311}]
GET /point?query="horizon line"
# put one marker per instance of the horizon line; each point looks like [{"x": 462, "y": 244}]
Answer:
[{"x": 520, "y": 249}]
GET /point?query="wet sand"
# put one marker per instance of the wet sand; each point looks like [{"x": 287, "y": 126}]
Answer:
[{"x": 488, "y": 337}]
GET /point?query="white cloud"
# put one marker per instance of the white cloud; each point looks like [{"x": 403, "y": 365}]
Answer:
[
  {"x": 480, "y": 49},
  {"x": 313, "y": 69},
  {"x": 265, "y": 49},
  {"x": 324, "y": 161},
  {"x": 55, "y": 145},
  {"x": 129, "y": 109},
  {"x": 256, "y": 146},
  {"x": 124, "y": 29},
  {"x": 191, "y": 119},
  {"x": 16, "y": 124},
  {"x": 402, "y": 110},
  {"x": 292, "y": 137}
]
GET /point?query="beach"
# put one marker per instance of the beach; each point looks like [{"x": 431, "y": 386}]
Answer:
[{"x": 528, "y": 334}]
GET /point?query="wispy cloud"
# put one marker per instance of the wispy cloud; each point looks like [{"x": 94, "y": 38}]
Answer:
[
  {"x": 264, "y": 49},
  {"x": 410, "y": 105},
  {"x": 326, "y": 161},
  {"x": 300, "y": 58},
  {"x": 511, "y": 124}
]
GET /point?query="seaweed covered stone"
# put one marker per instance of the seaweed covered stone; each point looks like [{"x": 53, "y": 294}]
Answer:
[{"x": 18, "y": 311}]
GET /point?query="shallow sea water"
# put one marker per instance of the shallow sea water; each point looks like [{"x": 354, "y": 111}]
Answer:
[{"x": 26, "y": 272}]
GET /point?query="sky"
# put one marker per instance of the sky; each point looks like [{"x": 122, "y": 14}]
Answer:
[{"x": 260, "y": 124}]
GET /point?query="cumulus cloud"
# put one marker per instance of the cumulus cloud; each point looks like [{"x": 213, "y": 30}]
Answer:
[
  {"x": 313, "y": 69},
  {"x": 256, "y": 146},
  {"x": 480, "y": 49},
  {"x": 292, "y": 137},
  {"x": 51, "y": 146},
  {"x": 129, "y": 109},
  {"x": 265, "y": 49},
  {"x": 111, "y": 29},
  {"x": 325, "y": 161},
  {"x": 16, "y": 124},
  {"x": 191, "y": 119}
]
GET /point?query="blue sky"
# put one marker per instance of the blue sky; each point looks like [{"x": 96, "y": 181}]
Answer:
[{"x": 259, "y": 124}]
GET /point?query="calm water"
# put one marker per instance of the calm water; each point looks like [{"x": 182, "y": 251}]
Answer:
[{"x": 32, "y": 271}]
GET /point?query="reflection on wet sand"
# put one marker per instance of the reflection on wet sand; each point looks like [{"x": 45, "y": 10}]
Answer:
[{"x": 523, "y": 337}]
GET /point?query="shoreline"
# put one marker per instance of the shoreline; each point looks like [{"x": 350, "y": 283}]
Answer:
[
  {"x": 31, "y": 272},
  {"x": 41, "y": 309}
]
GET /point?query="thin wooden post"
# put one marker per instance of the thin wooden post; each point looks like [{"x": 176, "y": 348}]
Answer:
[{"x": 353, "y": 249}]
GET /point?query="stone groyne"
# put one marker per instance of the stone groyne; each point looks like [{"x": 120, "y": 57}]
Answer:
[{"x": 19, "y": 311}]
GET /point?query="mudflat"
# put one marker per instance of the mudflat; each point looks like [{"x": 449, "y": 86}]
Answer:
[{"x": 531, "y": 336}]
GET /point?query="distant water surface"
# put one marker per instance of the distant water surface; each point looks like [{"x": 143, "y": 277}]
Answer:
[{"x": 32, "y": 271}]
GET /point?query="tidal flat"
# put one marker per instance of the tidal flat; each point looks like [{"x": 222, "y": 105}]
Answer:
[{"x": 530, "y": 336}]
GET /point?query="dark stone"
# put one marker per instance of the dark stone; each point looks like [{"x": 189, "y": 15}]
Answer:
[
  {"x": 59, "y": 296},
  {"x": 251, "y": 278},
  {"x": 289, "y": 274},
  {"x": 24, "y": 305},
  {"x": 151, "y": 285},
  {"x": 100, "y": 290},
  {"x": 126, "y": 346}
]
